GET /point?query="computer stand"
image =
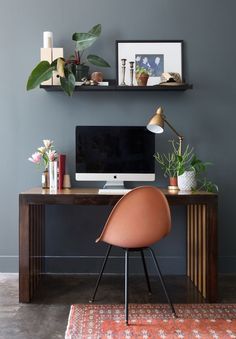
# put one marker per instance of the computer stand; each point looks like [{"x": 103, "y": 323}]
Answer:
[{"x": 114, "y": 185}]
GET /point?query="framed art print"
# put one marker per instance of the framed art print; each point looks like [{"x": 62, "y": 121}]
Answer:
[{"x": 152, "y": 57}]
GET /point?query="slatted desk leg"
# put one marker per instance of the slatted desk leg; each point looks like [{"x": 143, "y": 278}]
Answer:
[
  {"x": 32, "y": 218},
  {"x": 24, "y": 251},
  {"x": 36, "y": 246},
  {"x": 202, "y": 249}
]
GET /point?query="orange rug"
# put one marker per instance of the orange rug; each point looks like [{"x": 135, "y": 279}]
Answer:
[{"x": 202, "y": 321}]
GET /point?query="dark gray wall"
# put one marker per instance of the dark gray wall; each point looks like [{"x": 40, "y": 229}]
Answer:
[{"x": 205, "y": 115}]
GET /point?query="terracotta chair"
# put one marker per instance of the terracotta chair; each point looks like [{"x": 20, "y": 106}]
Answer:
[{"x": 139, "y": 219}]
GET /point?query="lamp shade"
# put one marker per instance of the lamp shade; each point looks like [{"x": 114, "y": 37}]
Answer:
[{"x": 156, "y": 124}]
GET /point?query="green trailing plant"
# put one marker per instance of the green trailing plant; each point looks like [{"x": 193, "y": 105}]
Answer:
[
  {"x": 44, "y": 70},
  {"x": 206, "y": 185}
]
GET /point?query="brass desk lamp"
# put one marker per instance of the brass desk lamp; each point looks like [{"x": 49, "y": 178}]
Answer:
[{"x": 156, "y": 125}]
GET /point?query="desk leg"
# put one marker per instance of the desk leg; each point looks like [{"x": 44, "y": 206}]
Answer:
[
  {"x": 31, "y": 249},
  {"x": 202, "y": 249}
]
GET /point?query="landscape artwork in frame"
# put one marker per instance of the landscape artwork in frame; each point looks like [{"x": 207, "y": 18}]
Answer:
[{"x": 155, "y": 57}]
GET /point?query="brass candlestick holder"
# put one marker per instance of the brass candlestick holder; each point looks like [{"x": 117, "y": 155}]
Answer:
[{"x": 123, "y": 66}]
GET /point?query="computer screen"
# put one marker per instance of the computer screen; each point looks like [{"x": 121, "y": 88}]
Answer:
[{"x": 114, "y": 153}]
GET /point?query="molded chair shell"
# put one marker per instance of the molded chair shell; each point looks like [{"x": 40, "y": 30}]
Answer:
[{"x": 139, "y": 219}]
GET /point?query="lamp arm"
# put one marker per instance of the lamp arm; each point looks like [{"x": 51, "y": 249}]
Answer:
[{"x": 181, "y": 138}]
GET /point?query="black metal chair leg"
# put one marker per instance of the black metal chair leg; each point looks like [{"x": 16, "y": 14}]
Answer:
[
  {"x": 100, "y": 274},
  {"x": 126, "y": 285},
  {"x": 146, "y": 273},
  {"x": 162, "y": 281}
]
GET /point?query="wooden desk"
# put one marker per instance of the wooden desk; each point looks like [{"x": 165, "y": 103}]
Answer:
[{"x": 201, "y": 234}]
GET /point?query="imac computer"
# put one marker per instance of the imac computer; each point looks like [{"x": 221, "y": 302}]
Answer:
[{"x": 114, "y": 154}]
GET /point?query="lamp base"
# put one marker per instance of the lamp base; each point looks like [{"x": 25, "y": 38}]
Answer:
[{"x": 173, "y": 188}]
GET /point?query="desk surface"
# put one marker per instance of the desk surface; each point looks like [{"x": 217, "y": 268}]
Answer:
[
  {"x": 83, "y": 196},
  {"x": 94, "y": 191}
]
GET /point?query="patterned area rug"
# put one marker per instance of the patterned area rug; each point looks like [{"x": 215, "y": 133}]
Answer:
[{"x": 146, "y": 321}]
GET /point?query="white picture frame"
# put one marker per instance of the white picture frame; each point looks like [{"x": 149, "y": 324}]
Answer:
[{"x": 156, "y": 56}]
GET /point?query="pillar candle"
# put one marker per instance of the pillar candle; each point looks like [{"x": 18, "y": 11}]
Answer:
[{"x": 47, "y": 40}]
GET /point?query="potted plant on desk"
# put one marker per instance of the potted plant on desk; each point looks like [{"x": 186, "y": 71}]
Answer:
[
  {"x": 185, "y": 170},
  {"x": 169, "y": 164}
]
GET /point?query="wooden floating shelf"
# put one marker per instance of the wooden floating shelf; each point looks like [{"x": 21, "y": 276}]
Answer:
[{"x": 113, "y": 87}]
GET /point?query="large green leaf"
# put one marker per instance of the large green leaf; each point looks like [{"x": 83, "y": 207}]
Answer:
[
  {"x": 83, "y": 40},
  {"x": 60, "y": 67},
  {"x": 68, "y": 84},
  {"x": 97, "y": 61},
  {"x": 96, "y": 30},
  {"x": 42, "y": 72}
]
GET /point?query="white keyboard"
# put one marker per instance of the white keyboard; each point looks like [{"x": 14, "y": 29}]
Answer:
[{"x": 118, "y": 191}]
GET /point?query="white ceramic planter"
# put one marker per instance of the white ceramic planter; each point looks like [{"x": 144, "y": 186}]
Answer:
[{"x": 187, "y": 181}]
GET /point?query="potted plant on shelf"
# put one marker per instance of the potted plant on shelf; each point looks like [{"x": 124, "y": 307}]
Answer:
[
  {"x": 142, "y": 76},
  {"x": 73, "y": 69},
  {"x": 83, "y": 41}
]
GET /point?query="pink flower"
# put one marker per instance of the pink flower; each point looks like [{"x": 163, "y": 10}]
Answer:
[
  {"x": 35, "y": 158},
  {"x": 52, "y": 155}
]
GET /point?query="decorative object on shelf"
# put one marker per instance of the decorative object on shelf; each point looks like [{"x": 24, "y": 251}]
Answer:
[
  {"x": 171, "y": 79},
  {"x": 123, "y": 66},
  {"x": 49, "y": 54},
  {"x": 156, "y": 57},
  {"x": 131, "y": 65},
  {"x": 142, "y": 76},
  {"x": 42, "y": 157},
  {"x": 97, "y": 76},
  {"x": 72, "y": 69},
  {"x": 47, "y": 40},
  {"x": 83, "y": 41},
  {"x": 167, "y": 162},
  {"x": 86, "y": 82}
]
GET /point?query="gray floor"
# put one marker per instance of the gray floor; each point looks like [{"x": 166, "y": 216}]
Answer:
[{"x": 47, "y": 316}]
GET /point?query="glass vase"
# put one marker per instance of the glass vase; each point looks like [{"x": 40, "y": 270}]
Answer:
[{"x": 53, "y": 176}]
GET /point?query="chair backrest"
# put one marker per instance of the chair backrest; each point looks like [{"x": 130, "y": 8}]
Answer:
[{"x": 139, "y": 219}]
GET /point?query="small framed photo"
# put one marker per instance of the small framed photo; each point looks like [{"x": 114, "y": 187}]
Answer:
[{"x": 150, "y": 57}]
